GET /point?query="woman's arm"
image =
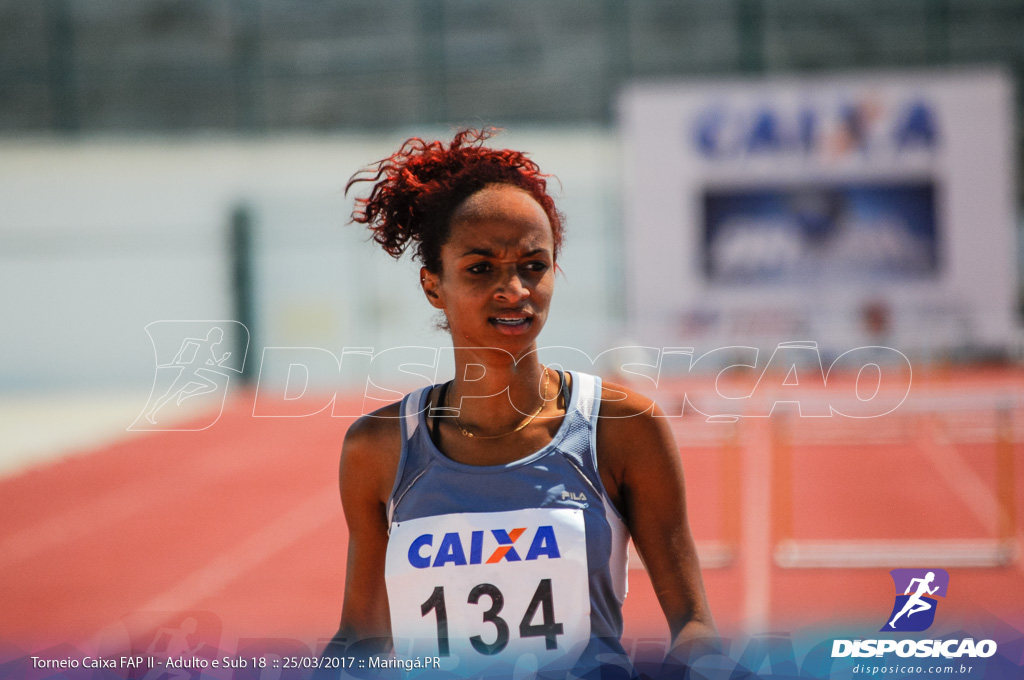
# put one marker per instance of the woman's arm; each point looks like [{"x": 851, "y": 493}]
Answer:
[
  {"x": 369, "y": 462},
  {"x": 643, "y": 474}
]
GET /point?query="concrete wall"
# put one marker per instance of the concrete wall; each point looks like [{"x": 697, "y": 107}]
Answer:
[{"x": 100, "y": 237}]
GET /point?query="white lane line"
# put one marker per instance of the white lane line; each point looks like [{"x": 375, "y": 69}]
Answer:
[
  {"x": 229, "y": 565},
  {"x": 109, "y": 510},
  {"x": 42, "y": 428}
]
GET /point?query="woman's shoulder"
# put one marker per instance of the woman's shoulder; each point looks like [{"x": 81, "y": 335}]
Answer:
[
  {"x": 370, "y": 456},
  {"x": 628, "y": 419},
  {"x": 621, "y": 402},
  {"x": 376, "y": 429}
]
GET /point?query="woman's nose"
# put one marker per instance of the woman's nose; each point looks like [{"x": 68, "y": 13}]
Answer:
[{"x": 511, "y": 288}]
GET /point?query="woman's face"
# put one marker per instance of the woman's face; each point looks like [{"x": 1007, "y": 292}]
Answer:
[{"x": 497, "y": 270}]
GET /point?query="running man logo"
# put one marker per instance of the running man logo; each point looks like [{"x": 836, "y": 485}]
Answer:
[
  {"x": 452, "y": 548},
  {"x": 914, "y": 610},
  {"x": 193, "y": 368},
  {"x": 175, "y": 645}
]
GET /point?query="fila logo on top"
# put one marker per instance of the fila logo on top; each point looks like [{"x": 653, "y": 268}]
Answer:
[{"x": 459, "y": 550}]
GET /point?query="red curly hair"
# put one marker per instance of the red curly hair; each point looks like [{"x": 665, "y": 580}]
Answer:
[{"x": 416, "y": 190}]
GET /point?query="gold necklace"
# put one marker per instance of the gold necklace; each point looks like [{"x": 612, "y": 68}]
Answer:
[{"x": 467, "y": 433}]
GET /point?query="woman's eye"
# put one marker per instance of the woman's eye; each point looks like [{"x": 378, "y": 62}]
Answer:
[
  {"x": 536, "y": 266},
  {"x": 478, "y": 268}
]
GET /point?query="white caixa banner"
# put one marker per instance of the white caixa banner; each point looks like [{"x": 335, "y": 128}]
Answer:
[{"x": 846, "y": 209}]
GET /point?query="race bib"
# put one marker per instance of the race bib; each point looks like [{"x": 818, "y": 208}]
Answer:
[{"x": 490, "y": 585}]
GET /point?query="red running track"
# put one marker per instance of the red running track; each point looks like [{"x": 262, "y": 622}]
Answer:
[{"x": 241, "y": 523}]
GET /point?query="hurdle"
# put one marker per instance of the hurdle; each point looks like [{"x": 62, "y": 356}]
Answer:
[
  {"x": 720, "y": 554},
  {"x": 1000, "y": 550}
]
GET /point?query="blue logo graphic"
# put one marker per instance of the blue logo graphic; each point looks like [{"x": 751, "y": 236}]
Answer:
[
  {"x": 914, "y": 610},
  {"x": 857, "y": 126}
]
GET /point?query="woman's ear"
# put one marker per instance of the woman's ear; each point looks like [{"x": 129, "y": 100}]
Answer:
[{"x": 431, "y": 284}]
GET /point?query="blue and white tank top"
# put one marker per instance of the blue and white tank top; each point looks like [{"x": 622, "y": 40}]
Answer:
[{"x": 506, "y": 569}]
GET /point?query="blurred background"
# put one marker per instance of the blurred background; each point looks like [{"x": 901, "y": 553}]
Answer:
[{"x": 733, "y": 172}]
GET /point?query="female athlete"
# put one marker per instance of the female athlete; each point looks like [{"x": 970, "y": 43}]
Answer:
[{"x": 489, "y": 516}]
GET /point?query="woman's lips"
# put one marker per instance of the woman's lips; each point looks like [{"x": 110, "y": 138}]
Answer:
[{"x": 512, "y": 324}]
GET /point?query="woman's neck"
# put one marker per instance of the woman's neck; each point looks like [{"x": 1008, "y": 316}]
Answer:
[{"x": 492, "y": 390}]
